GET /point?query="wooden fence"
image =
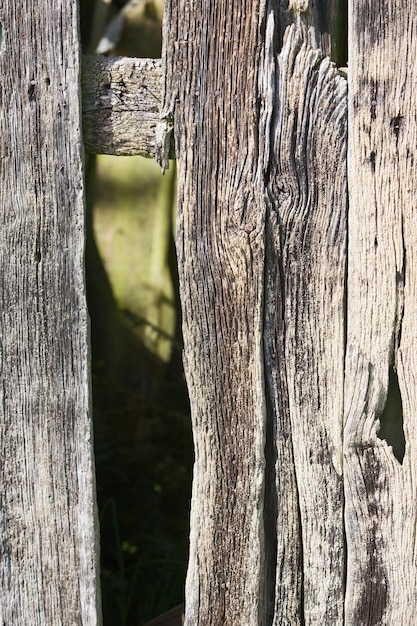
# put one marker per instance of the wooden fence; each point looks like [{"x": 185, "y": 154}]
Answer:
[{"x": 296, "y": 239}]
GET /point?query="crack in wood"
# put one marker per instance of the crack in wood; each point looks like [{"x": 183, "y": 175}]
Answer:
[{"x": 391, "y": 427}]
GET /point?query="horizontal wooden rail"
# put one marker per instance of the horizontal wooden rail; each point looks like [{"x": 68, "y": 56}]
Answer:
[{"x": 121, "y": 99}]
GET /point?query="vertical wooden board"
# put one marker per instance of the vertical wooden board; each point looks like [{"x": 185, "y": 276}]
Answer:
[
  {"x": 283, "y": 542},
  {"x": 307, "y": 206},
  {"x": 212, "y": 69},
  {"x": 49, "y": 547},
  {"x": 381, "y": 366},
  {"x": 272, "y": 554}
]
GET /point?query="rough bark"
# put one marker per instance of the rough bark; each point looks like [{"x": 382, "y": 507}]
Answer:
[
  {"x": 49, "y": 547},
  {"x": 381, "y": 368}
]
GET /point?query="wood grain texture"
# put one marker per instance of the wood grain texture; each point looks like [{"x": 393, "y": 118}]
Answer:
[
  {"x": 49, "y": 547},
  {"x": 261, "y": 144},
  {"x": 121, "y": 105},
  {"x": 381, "y": 506},
  {"x": 220, "y": 246},
  {"x": 304, "y": 330},
  {"x": 322, "y": 22},
  {"x": 261, "y": 249}
]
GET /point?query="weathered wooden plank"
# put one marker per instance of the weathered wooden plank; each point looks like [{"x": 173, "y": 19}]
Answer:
[
  {"x": 381, "y": 365},
  {"x": 258, "y": 203},
  {"x": 122, "y": 96},
  {"x": 49, "y": 548},
  {"x": 121, "y": 104},
  {"x": 304, "y": 330},
  {"x": 212, "y": 78}
]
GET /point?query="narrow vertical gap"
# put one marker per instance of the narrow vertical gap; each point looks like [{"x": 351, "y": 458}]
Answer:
[
  {"x": 340, "y": 41},
  {"x": 278, "y": 432},
  {"x": 340, "y": 55},
  {"x": 302, "y": 598},
  {"x": 270, "y": 513},
  {"x": 345, "y": 552},
  {"x": 270, "y": 507},
  {"x": 391, "y": 427},
  {"x": 270, "y": 504},
  {"x": 345, "y": 341}
]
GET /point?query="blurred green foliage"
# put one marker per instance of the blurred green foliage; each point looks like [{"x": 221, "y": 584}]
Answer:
[{"x": 143, "y": 443}]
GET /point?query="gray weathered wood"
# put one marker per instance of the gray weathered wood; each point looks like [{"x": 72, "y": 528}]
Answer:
[
  {"x": 304, "y": 331},
  {"x": 49, "y": 546},
  {"x": 380, "y": 443},
  {"x": 121, "y": 104},
  {"x": 122, "y": 96},
  {"x": 220, "y": 245},
  {"x": 261, "y": 248},
  {"x": 322, "y": 22}
]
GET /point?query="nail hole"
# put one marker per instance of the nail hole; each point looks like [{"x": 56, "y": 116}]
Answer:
[
  {"x": 372, "y": 160},
  {"x": 391, "y": 427},
  {"x": 373, "y": 109},
  {"x": 396, "y": 124},
  {"x": 31, "y": 89}
]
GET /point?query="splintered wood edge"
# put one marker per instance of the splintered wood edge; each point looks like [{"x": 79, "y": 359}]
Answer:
[{"x": 121, "y": 103}]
